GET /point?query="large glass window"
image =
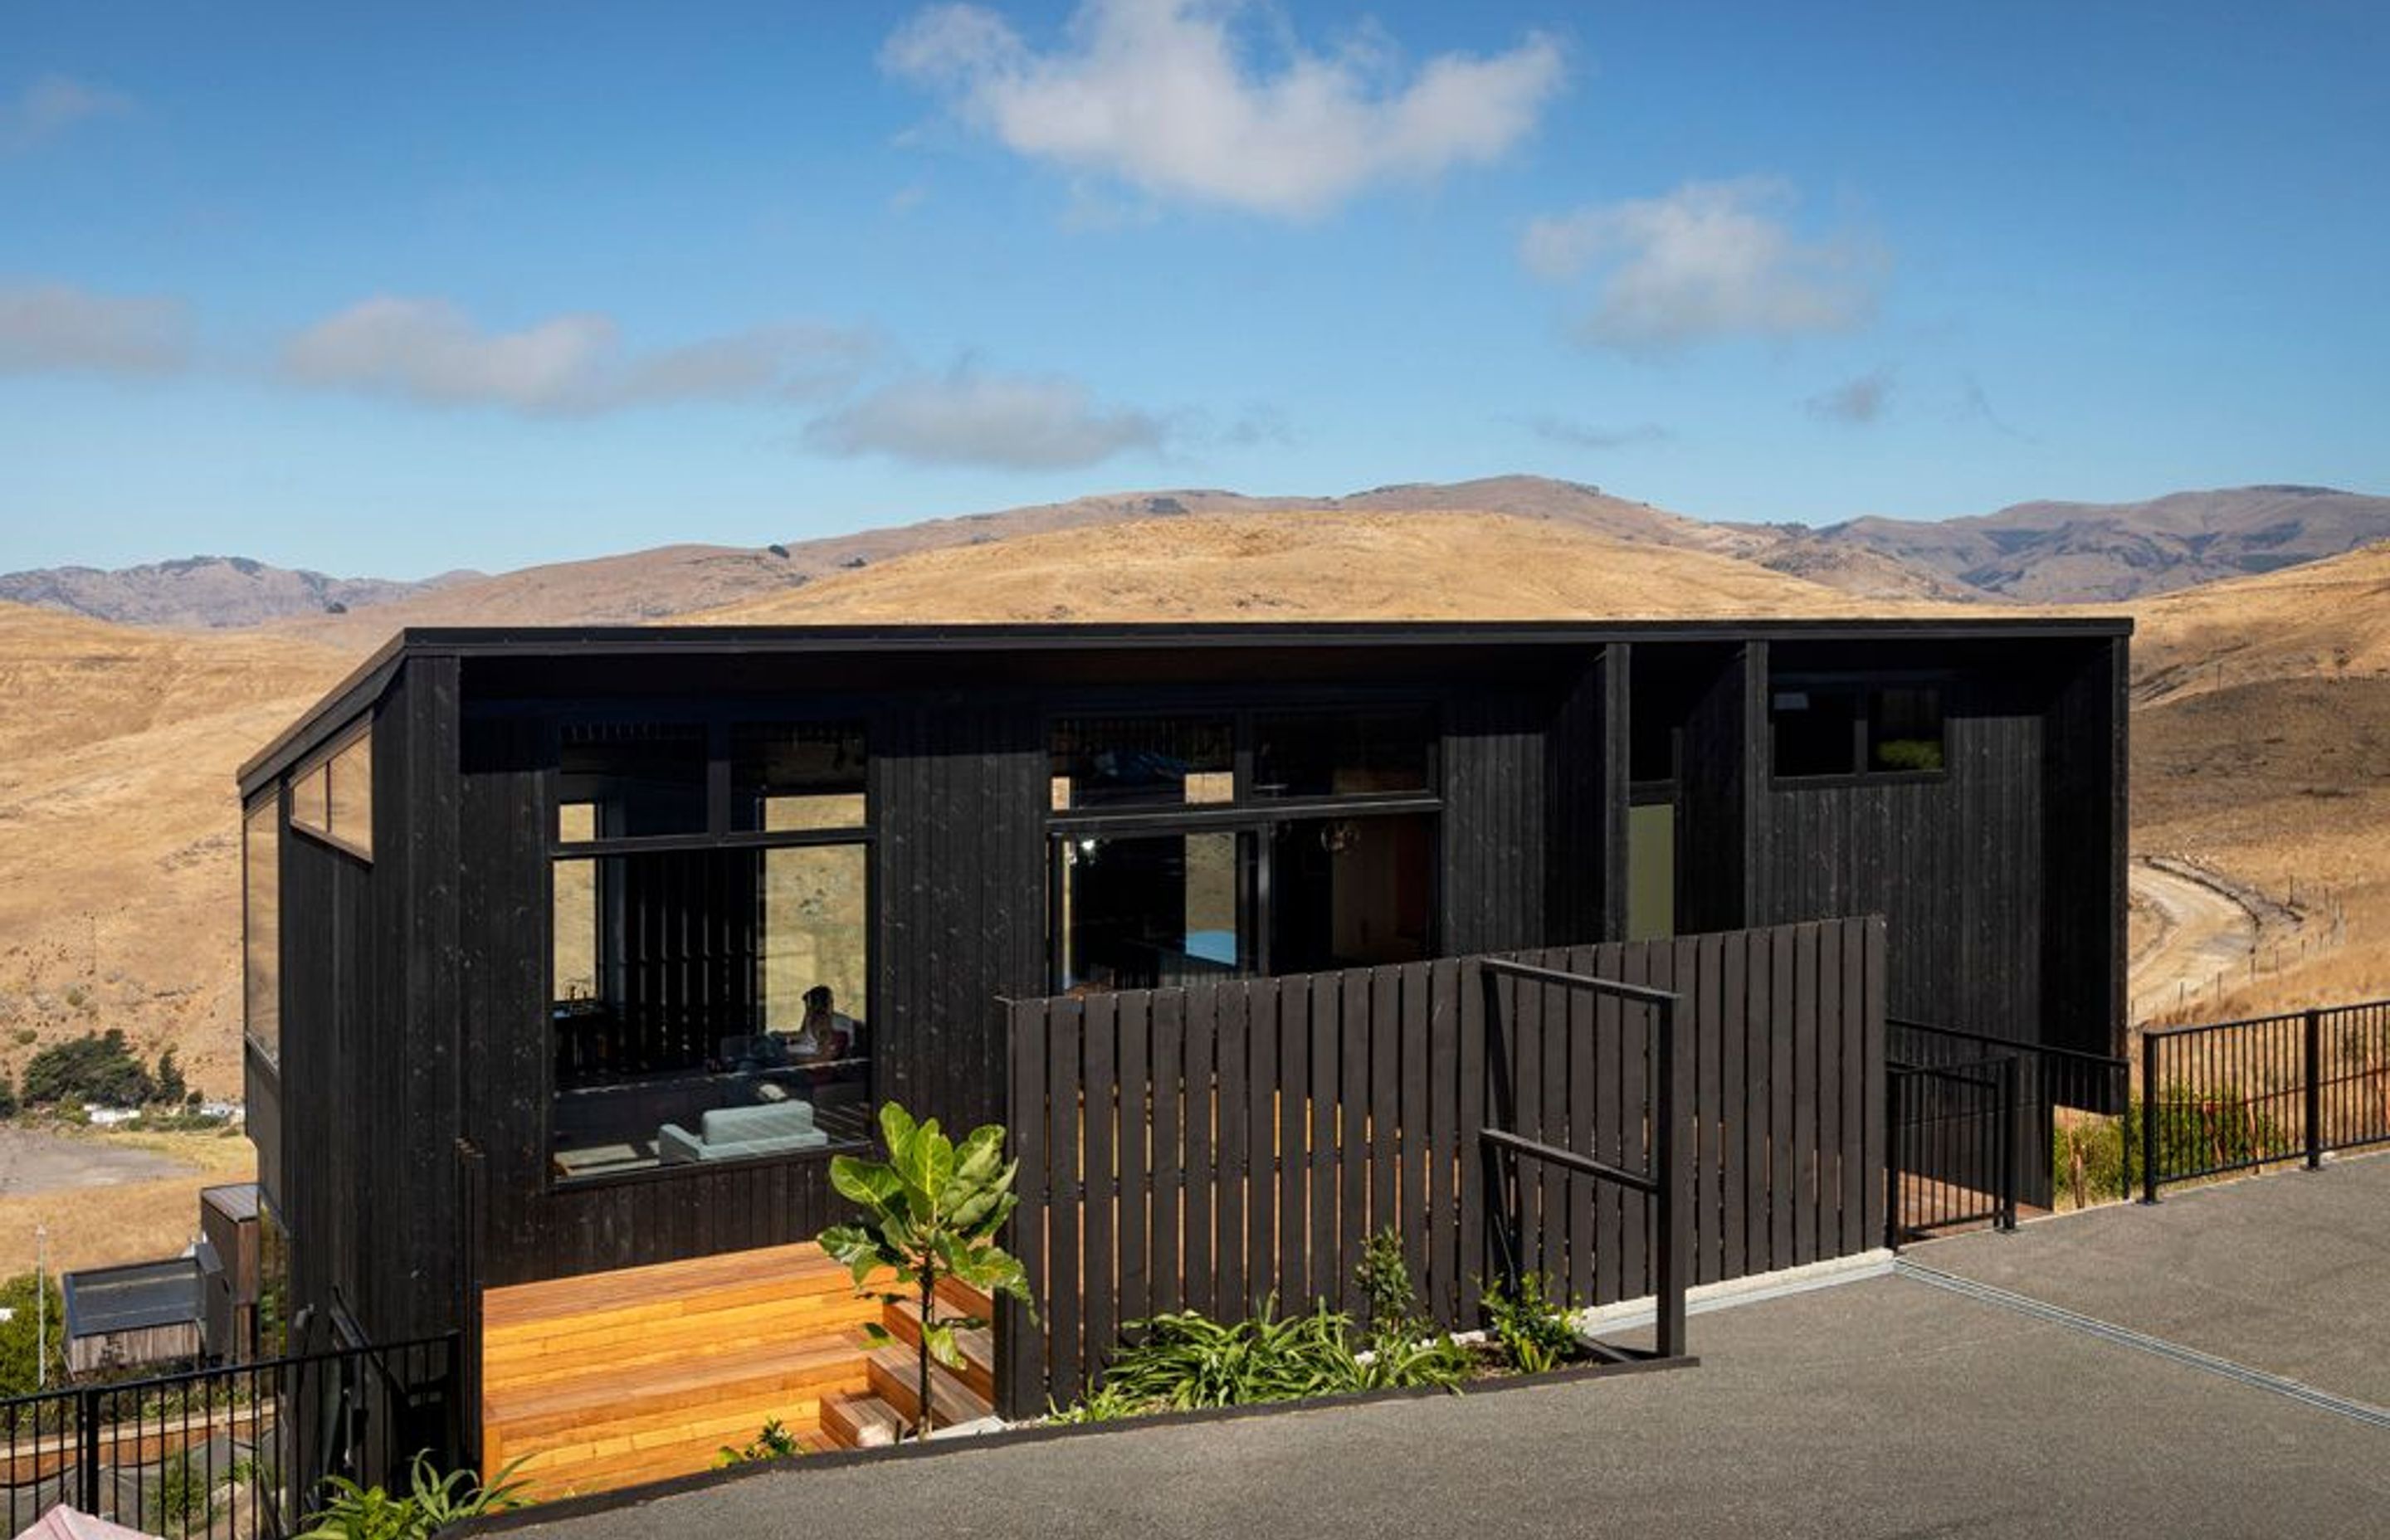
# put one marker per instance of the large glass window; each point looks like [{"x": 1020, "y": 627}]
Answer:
[
  {"x": 711, "y": 991},
  {"x": 1136, "y": 911},
  {"x": 261, "y": 925},
  {"x": 1342, "y": 753},
  {"x": 1905, "y": 729},
  {"x": 1102, "y": 762},
  {"x": 1170, "y": 866},
  {"x": 1350, "y": 893}
]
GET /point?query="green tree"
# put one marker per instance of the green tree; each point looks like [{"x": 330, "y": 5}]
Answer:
[
  {"x": 930, "y": 1211},
  {"x": 171, "y": 1086},
  {"x": 21, "y": 1332},
  {"x": 97, "y": 1067}
]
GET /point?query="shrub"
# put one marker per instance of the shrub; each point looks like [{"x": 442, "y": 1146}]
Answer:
[
  {"x": 1384, "y": 1275},
  {"x": 1184, "y": 1361},
  {"x": 7, "y": 1095},
  {"x": 431, "y": 1503},
  {"x": 772, "y": 1442},
  {"x": 932, "y": 1209},
  {"x": 171, "y": 1087},
  {"x": 19, "y": 1334},
  {"x": 97, "y": 1067},
  {"x": 185, "y": 1499},
  {"x": 1535, "y": 1331}
]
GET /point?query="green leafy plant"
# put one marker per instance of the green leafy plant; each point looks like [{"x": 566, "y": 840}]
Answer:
[
  {"x": 431, "y": 1503},
  {"x": 932, "y": 1210},
  {"x": 1533, "y": 1330},
  {"x": 97, "y": 1067},
  {"x": 1384, "y": 1275},
  {"x": 773, "y": 1443},
  {"x": 184, "y": 1498},
  {"x": 22, "y": 1333},
  {"x": 1185, "y": 1360}
]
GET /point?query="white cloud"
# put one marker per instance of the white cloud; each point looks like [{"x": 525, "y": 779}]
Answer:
[
  {"x": 1711, "y": 259},
  {"x": 1855, "y": 402},
  {"x": 52, "y": 104},
  {"x": 1165, "y": 96},
  {"x": 44, "y": 327},
  {"x": 1022, "y": 422},
  {"x": 570, "y": 365}
]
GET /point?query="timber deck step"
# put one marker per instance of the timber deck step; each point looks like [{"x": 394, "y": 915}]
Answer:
[
  {"x": 894, "y": 1373},
  {"x": 978, "y": 1346}
]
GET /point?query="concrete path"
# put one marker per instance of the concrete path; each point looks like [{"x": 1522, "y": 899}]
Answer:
[{"x": 1883, "y": 1407}]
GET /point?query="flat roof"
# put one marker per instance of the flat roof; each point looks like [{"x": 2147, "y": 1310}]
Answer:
[
  {"x": 131, "y": 1297},
  {"x": 359, "y": 691}
]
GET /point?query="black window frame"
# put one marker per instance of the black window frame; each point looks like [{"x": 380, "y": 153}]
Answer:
[
  {"x": 1865, "y": 688},
  {"x": 1242, "y": 813},
  {"x": 350, "y": 735},
  {"x": 717, "y": 716}
]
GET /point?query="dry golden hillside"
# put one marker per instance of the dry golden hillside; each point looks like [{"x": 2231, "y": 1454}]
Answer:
[
  {"x": 2261, "y": 749},
  {"x": 1307, "y": 566},
  {"x": 119, "y": 890}
]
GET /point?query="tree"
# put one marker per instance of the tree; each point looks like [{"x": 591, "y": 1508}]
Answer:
[
  {"x": 930, "y": 1211},
  {"x": 21, "y": 1332},
  {"x": 97, "y": 1067},
  {"x": 171, "y": 1087}
]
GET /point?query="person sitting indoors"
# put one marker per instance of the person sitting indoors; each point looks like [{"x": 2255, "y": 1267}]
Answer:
[{"x": 825, "y": 1035}]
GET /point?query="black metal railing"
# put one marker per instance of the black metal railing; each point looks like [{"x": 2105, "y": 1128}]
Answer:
[
  {"x": 238, "y": 1452},
  {"x": 1662, "y": 1178},
  {"x": 2237, "y": 1096},
  {"x": 1974, "y": 1140}
]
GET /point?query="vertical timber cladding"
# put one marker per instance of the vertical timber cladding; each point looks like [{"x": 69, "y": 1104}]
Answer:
[
  {"x": 1208, "y": 1146},
  {"x": 2084, "y": 784}
]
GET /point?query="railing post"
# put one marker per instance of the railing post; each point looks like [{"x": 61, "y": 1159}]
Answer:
[
  {"x": 2149, "y": 1115},
  {"x": 87, "y": 1472},
  {"x": 2012, "y": 1110},
  {"x": 1895, "y": 1082},
  {"x": 1668, "y": 1207},
  {"x": 2314, "y": 1045}
]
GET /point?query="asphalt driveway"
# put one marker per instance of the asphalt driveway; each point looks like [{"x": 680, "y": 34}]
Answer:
[{"x": 1887, "y": 1406}]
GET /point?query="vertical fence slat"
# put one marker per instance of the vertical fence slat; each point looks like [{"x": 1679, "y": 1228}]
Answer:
[
  {"x": 1443, "y": 1145},
  {"x": 1351, "y": 1137},
  {"x": 1385, "y": 1105},
  {"x": 1829, "y": 1141},
  {"x": 1874, "y": 1156},
  {"x": 1232, "y": 1044},
  {"x": 1709, "y": 1158},
  {"x": 1415, "y": 1159},
  {"x": 1552, "y": 1028},
  {"x": 1581, "y": 1094},
  {"x": 1265, "y": 1067},
  {"x": 1067, "y": 1366},
  {"x": 1136, "y": 1029},
  {"x": 1327, "y": 1027},
  {"x": 1293, "y": 1163},
  {"x": 1612, "y": 1024},
  {"x": 1020, "y": 1345},
  {"x": 1098, "y": 1179},
  {"x": 1469, "y": 1149},
  {"x": 1850, "y": 1032},
  {"x": 1165, "y": 1252},
  {"x": 1639, "y": 1151}
]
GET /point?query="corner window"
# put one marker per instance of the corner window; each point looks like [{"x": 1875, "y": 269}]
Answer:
[
  {"x": 261, "y": 925},
  {"x": 710, "y": 990},
  {"x": 333, "y": 799},
  {"x": 1828, "y": 728}
]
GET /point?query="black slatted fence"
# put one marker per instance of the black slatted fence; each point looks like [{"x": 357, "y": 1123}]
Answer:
[{"x": 1211, "y": 1146}]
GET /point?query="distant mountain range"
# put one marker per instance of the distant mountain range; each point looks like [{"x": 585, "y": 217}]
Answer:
[{"x": 2039, "y": 553}]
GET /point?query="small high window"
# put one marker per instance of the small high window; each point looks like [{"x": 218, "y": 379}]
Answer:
[
  {"x": 333, "y": 798},
  {"x": 1101, "y": 761},
  {"x": 1342, "y": 753},
  {"x": 1842, "y": 728},
  {"x": 786, "y": 777},
  {"x": 630, "y": 780}
]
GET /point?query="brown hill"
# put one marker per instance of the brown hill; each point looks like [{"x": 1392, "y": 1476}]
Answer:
[
  {"x": 1309, "y": 565},
  {"x": 203, "y": 591},
  {"x": 2089, "y": 552},
  {"x": 119, "y": 861}
]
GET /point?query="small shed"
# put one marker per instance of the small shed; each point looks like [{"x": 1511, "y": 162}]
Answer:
[
  {"x": 228, "y": 1256},
  {"x": 125, "y": 1317}
]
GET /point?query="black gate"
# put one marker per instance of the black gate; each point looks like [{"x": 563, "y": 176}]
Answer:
[{"x": 1951, "y": 1158}]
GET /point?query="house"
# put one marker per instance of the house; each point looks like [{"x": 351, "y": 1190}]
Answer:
[
  {"x": 576, "y": 950},
  {"x": 137, "y": 1315}
]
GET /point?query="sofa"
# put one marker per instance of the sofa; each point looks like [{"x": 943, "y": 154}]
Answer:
[{"x": 742, "y": 1132}]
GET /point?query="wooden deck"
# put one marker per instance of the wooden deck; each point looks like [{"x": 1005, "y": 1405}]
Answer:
[{"x": 615, "y": 1378}]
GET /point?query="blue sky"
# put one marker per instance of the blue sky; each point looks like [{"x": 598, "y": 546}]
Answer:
[{"x": 397, "y": 290}]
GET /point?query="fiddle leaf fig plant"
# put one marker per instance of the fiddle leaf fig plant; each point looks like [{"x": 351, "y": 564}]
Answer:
[{"x": 930, "y": 1211}]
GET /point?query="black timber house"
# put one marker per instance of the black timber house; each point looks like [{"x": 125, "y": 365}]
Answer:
[{"x": 647, "y": 919}]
